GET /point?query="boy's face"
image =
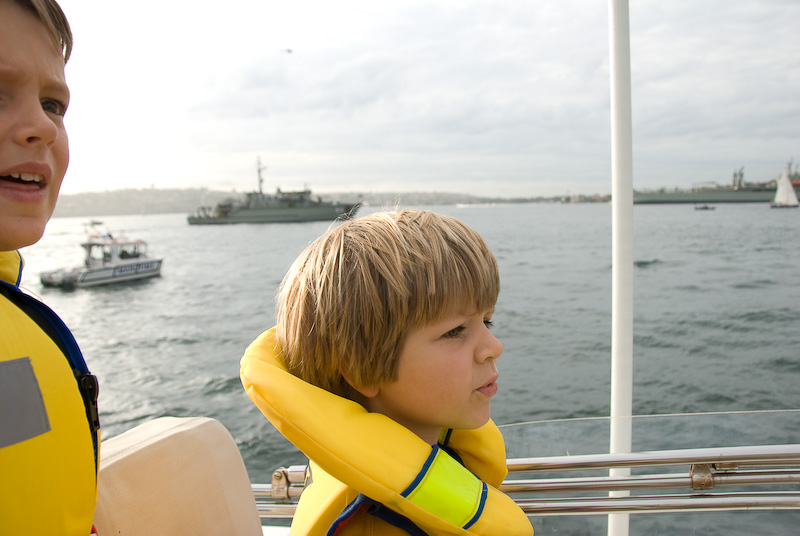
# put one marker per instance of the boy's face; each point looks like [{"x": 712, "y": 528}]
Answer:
[
  {"x": 34, "y": 151},
  {"x": 446, "y": 376}
]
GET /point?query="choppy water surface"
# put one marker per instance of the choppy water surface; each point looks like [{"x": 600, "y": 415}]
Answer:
[{"x": 717, "y": 315}]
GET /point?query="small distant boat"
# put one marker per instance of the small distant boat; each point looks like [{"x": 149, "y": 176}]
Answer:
[
  {"x": 280, "y": 207},
  {"x": 704, "y": 207},
  {"x": 785, "y": 195},
  {"x": 109, "y": 259}
]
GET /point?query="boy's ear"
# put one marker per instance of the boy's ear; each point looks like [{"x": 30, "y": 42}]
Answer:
[{"x": 368, "y": 392}]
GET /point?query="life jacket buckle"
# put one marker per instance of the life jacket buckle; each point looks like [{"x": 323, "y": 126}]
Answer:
[{"x": 90, "y": 388}]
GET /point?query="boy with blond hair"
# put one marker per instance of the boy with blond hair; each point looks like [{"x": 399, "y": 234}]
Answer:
[
  {"x": 381, "y": 370},
  {"x": 48, "y": 412}
]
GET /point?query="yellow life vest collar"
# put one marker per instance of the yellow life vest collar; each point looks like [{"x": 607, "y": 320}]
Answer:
[
  {"x": 382, "y": 459},
  {"x": 11, "y": 263}
]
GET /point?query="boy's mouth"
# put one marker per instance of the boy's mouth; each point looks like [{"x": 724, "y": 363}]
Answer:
[
  {"x": 490, "y": 389},
  {"x": 23, "y": 178}
]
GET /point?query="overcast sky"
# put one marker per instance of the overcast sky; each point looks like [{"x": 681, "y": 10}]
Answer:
[{"x": 496, "y": 97}]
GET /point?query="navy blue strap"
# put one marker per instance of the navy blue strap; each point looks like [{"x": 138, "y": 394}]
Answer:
[{"x": 376, "y": 509}]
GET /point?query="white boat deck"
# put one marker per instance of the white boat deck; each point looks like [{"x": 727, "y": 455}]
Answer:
[{"x": 188, "y": 471}]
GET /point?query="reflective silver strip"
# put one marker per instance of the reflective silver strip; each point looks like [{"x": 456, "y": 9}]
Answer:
[{"x": 22, "y": 411}]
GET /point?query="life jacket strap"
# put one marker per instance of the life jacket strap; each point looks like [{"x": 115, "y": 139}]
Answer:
[{"x": 373, "y": 508}]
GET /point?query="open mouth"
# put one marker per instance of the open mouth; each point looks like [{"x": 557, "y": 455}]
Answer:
[{"x": 22, "y": 178}]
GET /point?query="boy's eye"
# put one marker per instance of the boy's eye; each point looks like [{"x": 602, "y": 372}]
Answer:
[
  {"x": 54, "y": 107},
  {"x": 453, "y": 333},
  {"x": 488, "y": 323}
]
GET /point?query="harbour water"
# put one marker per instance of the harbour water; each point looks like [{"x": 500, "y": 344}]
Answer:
[{"x": 717, "y": 316}]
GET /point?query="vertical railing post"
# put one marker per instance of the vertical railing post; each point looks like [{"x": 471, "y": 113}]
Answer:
[{"x": 622, "y": 245}]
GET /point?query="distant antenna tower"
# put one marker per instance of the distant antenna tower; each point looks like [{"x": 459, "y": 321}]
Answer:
[
  {"x": 738, "y": 177},
  {"x": 260, "y": 168}
]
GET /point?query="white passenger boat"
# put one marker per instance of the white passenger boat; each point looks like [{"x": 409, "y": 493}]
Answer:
[{"x": 109, "y": 259}]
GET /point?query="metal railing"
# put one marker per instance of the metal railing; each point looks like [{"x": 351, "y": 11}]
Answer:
[
  {"x": 278, "y": 499},
  {"x": 761, "y": 477},
  {"x": 755, "y": 477}
]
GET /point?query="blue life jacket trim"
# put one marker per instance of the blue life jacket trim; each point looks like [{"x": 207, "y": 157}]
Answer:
[
  {"x": 446, "y": 439},
  {"x": 424, "y": 471},
  {"x": 376, "y": 509},
  {"x": 453, "y": 454},
  {"x": 484, "y": 495},
  {"x": 19, "y": 272},
  {"x": 55, "y": 328}
]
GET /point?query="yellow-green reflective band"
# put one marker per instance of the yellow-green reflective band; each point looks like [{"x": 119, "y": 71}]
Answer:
[{"x": 447, "y": 489}]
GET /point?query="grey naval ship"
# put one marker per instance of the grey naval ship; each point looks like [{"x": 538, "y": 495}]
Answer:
[{"x": 280, "y": 207}]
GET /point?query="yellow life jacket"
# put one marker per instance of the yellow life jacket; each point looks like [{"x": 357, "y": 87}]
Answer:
[
  {"x": 370, "y": 454},
  {"x": 48, "y": 447}
]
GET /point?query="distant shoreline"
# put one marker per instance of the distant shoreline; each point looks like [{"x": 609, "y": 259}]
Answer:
[{"x": 171, "y": 201}]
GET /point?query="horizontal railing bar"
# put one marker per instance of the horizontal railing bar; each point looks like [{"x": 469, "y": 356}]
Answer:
[
  {"x": 593, "y": 483},
  {"x": 607, "y": 483},
  {"x": 726, "y": 461},
  {"x": 276, "y": 511},
  {"x": 265, "y": 492},
  {"x": 660, "y": 503},
  {"x": 262, "y": 491},
  {"x": 751, "y": 456},
  {"x": 605, "y": 505}
]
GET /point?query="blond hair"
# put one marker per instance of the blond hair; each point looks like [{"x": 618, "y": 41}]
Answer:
[
  {"x": 54, "y": 20},
  {"x": 348, "y": 300}
]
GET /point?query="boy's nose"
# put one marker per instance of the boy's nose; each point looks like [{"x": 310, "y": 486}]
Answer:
[
  {"x": 491, "y": 347},
  {"x": 35, "y": 126}
]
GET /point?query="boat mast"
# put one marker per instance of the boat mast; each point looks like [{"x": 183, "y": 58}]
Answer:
[
  {"x": 259, "y": 167},
  {"x": 622, "y": 246}
]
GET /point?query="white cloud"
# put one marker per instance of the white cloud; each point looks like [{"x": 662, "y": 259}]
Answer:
[{"x": 493, "y": 97}]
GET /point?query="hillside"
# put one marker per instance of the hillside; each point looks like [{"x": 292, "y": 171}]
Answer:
[{"x": 158, "y": 201}]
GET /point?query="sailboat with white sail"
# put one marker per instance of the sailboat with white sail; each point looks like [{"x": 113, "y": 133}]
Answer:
[{"x": 785, "y": 196}]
